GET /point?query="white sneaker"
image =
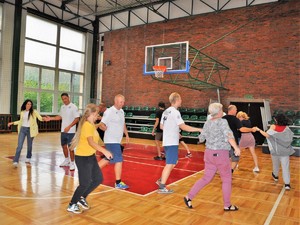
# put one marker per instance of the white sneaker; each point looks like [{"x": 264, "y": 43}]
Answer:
[
  {"x": 256, "y": 169},
  {"x": 74, "y": 208},
  {"x": 66, "y": 162},
  {"x": 27, "y": 160},
  {"x": 164, "y": 191},
  {"x": 15, "y": 164},
  {"x": 72, "y": 166}
]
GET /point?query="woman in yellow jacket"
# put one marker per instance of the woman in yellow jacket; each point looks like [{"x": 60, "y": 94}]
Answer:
[{"x": 27, "y": 127}]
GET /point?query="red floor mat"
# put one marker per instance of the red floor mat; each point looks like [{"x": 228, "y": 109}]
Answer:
[{"x": 141, "y": 171}]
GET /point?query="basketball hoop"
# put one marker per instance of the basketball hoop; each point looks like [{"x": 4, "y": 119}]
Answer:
[{"x": 159, "y": 71}]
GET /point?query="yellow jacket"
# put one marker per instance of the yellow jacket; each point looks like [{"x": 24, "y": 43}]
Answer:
[{"x": 32, "y": 123}]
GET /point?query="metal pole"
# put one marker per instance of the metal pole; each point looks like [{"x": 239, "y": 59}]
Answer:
[{"x": 15, "y": 60}]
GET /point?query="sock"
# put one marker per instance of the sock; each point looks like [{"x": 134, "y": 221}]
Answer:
[
  {"x": 162, "y": 186},
  {"x": 118, "y": 181}
]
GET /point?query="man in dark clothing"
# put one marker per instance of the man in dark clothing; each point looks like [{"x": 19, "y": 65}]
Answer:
[{"x": 236, "y": 127}]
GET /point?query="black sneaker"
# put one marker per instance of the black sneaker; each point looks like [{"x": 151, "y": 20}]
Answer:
[
  {"x": 158, "y": 158},
  {"x": 83, "y": 203},
  {"x": 287, "y": 187},
  {"x": 274, "y": 177}
]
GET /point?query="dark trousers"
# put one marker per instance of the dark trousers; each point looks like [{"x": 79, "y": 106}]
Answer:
[{"x": 90, "y": 176}]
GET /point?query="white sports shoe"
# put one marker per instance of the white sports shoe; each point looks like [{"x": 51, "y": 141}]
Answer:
[
  {"x": 256, "y": 169},
  {"x": 15, "y": 164},
  {"x": 72, "y": 166},
  {"x": 74, "y": 208},
  {"x": 66, "y": 162},
  {"x": 27, "y": 160}
]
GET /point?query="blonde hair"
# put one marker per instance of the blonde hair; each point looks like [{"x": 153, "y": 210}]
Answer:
[
  {"x": 214, "y": 108},
  {"x": 243, "y": 115},
  {"x": 173, "y": 97},
  {"x": 90, "y": 108},
  {"x": 119, "y": 96}
]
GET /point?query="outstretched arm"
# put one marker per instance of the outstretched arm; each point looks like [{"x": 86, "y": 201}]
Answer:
[
  {"x": 263, "y": 133},
  {"x": 188, "y": 128}
]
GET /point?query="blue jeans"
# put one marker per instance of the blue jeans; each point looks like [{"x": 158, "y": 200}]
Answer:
[{"x": 24, "y": 132}]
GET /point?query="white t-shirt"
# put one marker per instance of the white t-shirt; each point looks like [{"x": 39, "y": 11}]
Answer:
[
  {"x": 68, "y": 114},
  {"x": 114, "y": 120},
  {"x": 171, "y": 119},
  {"x": 25, "y": 122}
]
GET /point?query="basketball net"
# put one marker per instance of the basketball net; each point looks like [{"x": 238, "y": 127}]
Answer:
[{"x": 159, "y": 71}]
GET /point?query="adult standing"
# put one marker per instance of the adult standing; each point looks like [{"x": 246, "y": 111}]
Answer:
[
  {"x": 236, "y": 127},
  {"x": 27, "y": 127},
  {"x": 247, "y": 139},
  {"x": 279, "y": 138},
  {"x": 113, "y": 123},
  {"x": 171, "y": 124},
  {"x": 86, "y": 142},
  {"x": 219, "y": 139},
  {"x": 157, "y": 132},
  {"x": 69, "y": 115}
]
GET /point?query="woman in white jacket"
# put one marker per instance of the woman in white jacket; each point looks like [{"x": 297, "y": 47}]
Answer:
[{"x": 27, "y": 127}]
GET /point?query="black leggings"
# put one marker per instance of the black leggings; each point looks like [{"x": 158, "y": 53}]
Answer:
[{"x": 90, "y": 176}]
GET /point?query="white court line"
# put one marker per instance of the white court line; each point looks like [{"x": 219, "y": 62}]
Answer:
[
  {"x": 268, "y": 220},
  {"x": 47, "y": 198},
  {"x": 175, "y": 183},
  {"x": 137, "y": 157},
  {"x": 148, "y": 164}
]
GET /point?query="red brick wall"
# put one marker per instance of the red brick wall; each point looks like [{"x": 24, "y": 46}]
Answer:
[{"x": 263, "y": 56}]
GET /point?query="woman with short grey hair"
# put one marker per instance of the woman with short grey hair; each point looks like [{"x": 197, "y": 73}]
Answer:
[{"x": 219, "y": 139}]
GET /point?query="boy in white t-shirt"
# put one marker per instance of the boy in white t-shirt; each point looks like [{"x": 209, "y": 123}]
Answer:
[{"x": 171, "y": 124}]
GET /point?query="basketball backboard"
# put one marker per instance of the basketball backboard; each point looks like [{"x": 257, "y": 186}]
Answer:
[{"x": 172, "y": 55}]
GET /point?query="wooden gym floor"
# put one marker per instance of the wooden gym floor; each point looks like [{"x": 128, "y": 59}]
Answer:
[{"x": 39, "y": 194}]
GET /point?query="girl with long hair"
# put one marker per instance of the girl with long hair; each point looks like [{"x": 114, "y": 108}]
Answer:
[
  {"x": 86, "y": 143},
  {"x": 27, "y": 127}
]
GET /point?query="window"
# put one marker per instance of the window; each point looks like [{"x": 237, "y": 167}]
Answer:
[
  {"x": 40, "y": 54},
  {"x": 54, "y": 63},
  {"x": 42, "y": 30},
  {"x": 70, "y": 60},
  {"x": 78, "y": 40}
]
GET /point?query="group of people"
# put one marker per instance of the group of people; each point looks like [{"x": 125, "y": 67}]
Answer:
[
  {"x": 28, "y": 128},
  {"x": 221, "y": 134}
]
